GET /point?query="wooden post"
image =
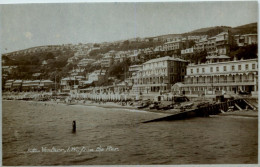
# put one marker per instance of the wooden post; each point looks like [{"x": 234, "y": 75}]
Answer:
[{"x": 74, "y": 126}]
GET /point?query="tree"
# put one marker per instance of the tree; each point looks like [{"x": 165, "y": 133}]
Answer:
[
  {"x": 96, "y": 45},
  {"x": 245, "y": 52},
  {"x": 201, "y": 57},
  {"x": 49, "y": 56},
  {"x": 126, "y": 42}
]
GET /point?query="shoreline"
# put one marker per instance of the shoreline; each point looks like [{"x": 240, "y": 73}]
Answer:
[
  {"x": 107, "y": 105},
  {"x": 112, "y": 105},
  {"x": 242, "y": 113}
]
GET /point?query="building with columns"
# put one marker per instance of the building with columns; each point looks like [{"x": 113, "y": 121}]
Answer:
[
  {"x": 228, "y": 77},
  {"x": 157, "y": 75}
]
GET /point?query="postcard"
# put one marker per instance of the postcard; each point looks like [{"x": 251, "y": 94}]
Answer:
[{"x": 129, "y": 83}]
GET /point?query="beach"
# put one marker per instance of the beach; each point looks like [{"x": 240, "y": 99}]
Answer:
[{"x": 40, "y": 133}]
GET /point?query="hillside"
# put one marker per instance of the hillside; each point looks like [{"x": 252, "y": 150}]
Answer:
[
  {"x": 245, "y": 29},
  {"x": 204, "y": 30},
  {"x": 212, "y": 31},
  {"x": 170, "y": 36},
  {"x": 55, "y": 62}
]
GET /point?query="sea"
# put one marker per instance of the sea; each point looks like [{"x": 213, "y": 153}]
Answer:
[{"x": 39, "y": 133}]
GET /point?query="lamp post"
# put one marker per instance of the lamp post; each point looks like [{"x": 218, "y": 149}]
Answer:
[
  {"x": 212, "y": 85},
  {"x": 55, "y": 83}
]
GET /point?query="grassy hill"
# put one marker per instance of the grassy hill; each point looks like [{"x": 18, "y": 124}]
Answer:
[
  {"x": 245, "y": 29},
  {"x": 212, "y": 31}
]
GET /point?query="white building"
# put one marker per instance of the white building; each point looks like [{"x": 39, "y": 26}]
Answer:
[
  {"x": 157, "y": 75},
  {"x": 85, "y": 62},
  {"x": 173, "y": 45},
  {"x": 96, "y": 75},
  {"x": 133, "y": 57},
  {"x": 216, "y": 78},
  {"x": 215, "y": 46},
  {"x": 106, "y": 61},
  {"x": 246, "y": 39},
  {"x": 187, "y": 51}
]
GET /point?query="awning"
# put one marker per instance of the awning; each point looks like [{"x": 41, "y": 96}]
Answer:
[{"x": 88, "y": 82}]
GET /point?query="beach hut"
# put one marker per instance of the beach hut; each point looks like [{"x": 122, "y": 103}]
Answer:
[
  {"x": 46, "y": 85},
  {"x": 17, "y": 85},
  {"x": 177, "y": 88},
  {"x": 8, "y": 85}
]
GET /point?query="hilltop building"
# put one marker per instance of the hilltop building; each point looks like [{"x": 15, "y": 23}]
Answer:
[{"x": 246, "y": 39}]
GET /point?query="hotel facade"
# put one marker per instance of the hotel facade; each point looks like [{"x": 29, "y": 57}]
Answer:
[
  {"x": 159, "y": 74},
  {"x": 228, "y": 77}
]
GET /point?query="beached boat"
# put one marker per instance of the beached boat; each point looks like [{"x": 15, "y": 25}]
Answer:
[
  {"x": 143, "y": 106},
  {"x": 153, "y": 106},
  {"x": 168, "y": 107}
]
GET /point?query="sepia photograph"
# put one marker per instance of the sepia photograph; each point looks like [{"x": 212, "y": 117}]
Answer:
[{"x": 129, "y": 83}]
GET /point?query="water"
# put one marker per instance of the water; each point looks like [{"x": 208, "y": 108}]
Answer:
[{"x": 31, "y": 125}]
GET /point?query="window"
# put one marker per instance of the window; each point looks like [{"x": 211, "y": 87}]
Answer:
[
  {"x": 203, "y": 69},
  {"x": 191, "y": 70},
  {"x": 211, "y": 69},
  {"x": 233, "y": 68},
  {"x": 239, "y": 67},
  {"x": 246, "y": 66},
  {"x": 197, "y": 70},
  {"x": 217, "y": 68},
  {"x": 225, "y": 68},
  {"x": 253, "y": 66}
]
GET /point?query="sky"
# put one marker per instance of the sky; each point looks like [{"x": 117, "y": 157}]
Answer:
[{"x": 28, "y": 25}]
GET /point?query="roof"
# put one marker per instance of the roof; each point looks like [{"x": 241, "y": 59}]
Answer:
[
  {"x": 68, "y": 79},
  {"x": 203, "y": 40},
  {"x": 88, "y": 82},
  {"x": 166, "y": 58},
  {"x": 46, "y": 81},
  {"x": 27, "y": 81},
  {"x": 212, "y": 57},
  {"x": 133, "y": 55},
  {"x": 135, "y": 66},
  {"x": 18, "y": 81},
  {"x": 172, "y": 42},
  {"x": 79, "y": 77},
  {"x": 222, "y": 33},
  {"x": 218, "y": 57},
  {"x": 179, "y": 84},
  {"x": 223, "y": 57}
]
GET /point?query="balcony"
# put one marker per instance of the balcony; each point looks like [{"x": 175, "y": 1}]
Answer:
[{"x": 220, "y": 83}]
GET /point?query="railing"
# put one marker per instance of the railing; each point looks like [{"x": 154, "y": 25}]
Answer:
[
  {"x": 214, "y": 82},
  {"x": 150, "y": 83}
]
